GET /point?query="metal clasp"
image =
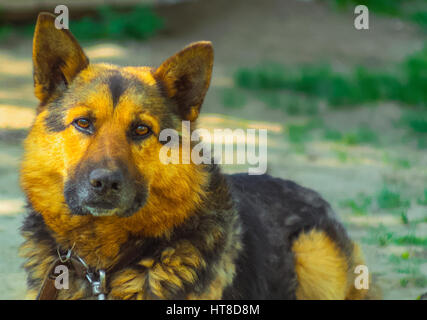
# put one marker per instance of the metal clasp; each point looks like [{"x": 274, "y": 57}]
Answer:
[
  {"x": 98, "y": 286},
  {"x": 96, "y": 279},
  {"x": 67, "y": 257}
]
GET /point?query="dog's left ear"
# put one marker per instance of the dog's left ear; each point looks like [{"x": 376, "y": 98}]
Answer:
[
  {"x": 57, "y": 58},
  {"x": 186, "y": 77}
]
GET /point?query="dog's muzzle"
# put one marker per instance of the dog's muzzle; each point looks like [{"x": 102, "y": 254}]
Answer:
[{"x": 105, "y": 192}]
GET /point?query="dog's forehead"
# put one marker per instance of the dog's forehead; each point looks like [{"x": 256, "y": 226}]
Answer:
[
  {"x": 113, "y": 82},
  {"x": 118, "y": 79}
]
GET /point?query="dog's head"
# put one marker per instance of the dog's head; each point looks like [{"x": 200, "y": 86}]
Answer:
[{"x": 94, "y": 147}]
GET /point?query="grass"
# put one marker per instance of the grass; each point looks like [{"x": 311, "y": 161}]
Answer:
[
  {"x": 404, "y": 217},
  {"x": 140, "y": 23},
  {"x": 233, "y": 98},
  {"x": 362, "y": 135},
  {"x": 416, "y": 120},
  {"x": 396, "y": 162},
  {"x": 382, "y": 236},
  {"x": 420, "y": 18},
  {"x": 359, "y": 205},
  {"x": 411, "y": 240},
  {"x": 423, "y": 200},
  {"x": 389, "y": 199},
  {"x": 386, "y": 199},
  {"x": 406, "y": 84},
  {"x": 314, "y": 129},
  {"x": 419, "y": 281},
  {"x": 289, "y": 102},
  {"x": 404, "y": 282},
  {"x": 409, "y": 266},
  {"x": 299, "y": 133},
  {"x": 341, "y": 155}
]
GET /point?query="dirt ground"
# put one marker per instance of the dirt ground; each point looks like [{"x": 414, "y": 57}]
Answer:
[{"x": 244, "y": 33}]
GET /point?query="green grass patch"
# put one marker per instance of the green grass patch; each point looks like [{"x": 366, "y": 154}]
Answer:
[
  {"x": 423, "y": 200},
  {"x": 406, "y": 84},
  {"x": 405, "y": 259},
  {"x": 409, "y": 266},
  {"x": 398, "y": 162},
  {"x": 382, "y": 236},
  {"x": 290, "y": 103},
  {"x": 300, "y": 133},
  {"x": 362, "y": 135},
  {"x": 404, "y": 282},
  {"x": 139, "y": 22},
  {"x": 416, "y": 120},
  {"x": 389, "y": 199},
  {"x": 420, "y": 18},
  {"x": 332, "y": 135},
  {"x": 341, "y": 155},
  {"x": 404, "y": 217},
  {"x": 359, "y": 205},
  {"x": 405, "y": 255},
  {"x": 402, "y": 163},
  {"x": 410, "y": 240},
  {"x": 408, "y": 269},
  {"x": 233, "y": 98},
  {"x": 419, "y": 281}
]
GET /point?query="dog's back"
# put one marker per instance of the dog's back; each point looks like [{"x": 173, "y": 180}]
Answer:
[{"x": 294, "y": 247}]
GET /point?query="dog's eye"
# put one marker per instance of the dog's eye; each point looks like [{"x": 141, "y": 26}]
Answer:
[
  {"x": 141, "y": 130},
  {"x": 83, "y": 124}
]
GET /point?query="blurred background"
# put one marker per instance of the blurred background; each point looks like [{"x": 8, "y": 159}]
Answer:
[{"x": 345, "y": 109}]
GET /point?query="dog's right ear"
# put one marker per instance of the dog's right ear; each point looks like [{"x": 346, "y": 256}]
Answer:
[{"x": 57, "y": 58}]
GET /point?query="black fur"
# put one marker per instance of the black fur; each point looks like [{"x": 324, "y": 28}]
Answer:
[
  {"x": 117, "y": 85},
  {"x": 55, "y": 118}
]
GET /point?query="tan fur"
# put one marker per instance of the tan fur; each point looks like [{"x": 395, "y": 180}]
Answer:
[
  {"x": 324, "y": 272},
  {"x": 320, "y": 267},
  {"x": 177, "y": 266}
]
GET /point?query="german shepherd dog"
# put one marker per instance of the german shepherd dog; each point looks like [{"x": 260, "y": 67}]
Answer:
[{"x": 101, "y": 201}]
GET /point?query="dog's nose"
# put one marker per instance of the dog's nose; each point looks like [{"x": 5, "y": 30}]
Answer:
[{"x": 105, "y": 180}]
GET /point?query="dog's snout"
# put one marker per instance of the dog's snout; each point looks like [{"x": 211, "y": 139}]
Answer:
[
  {"x": 106, "y": 181},
  {"x": 105, "y": 190}
]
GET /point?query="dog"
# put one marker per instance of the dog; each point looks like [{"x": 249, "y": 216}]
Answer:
[{"x": 127, "y": 226}]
